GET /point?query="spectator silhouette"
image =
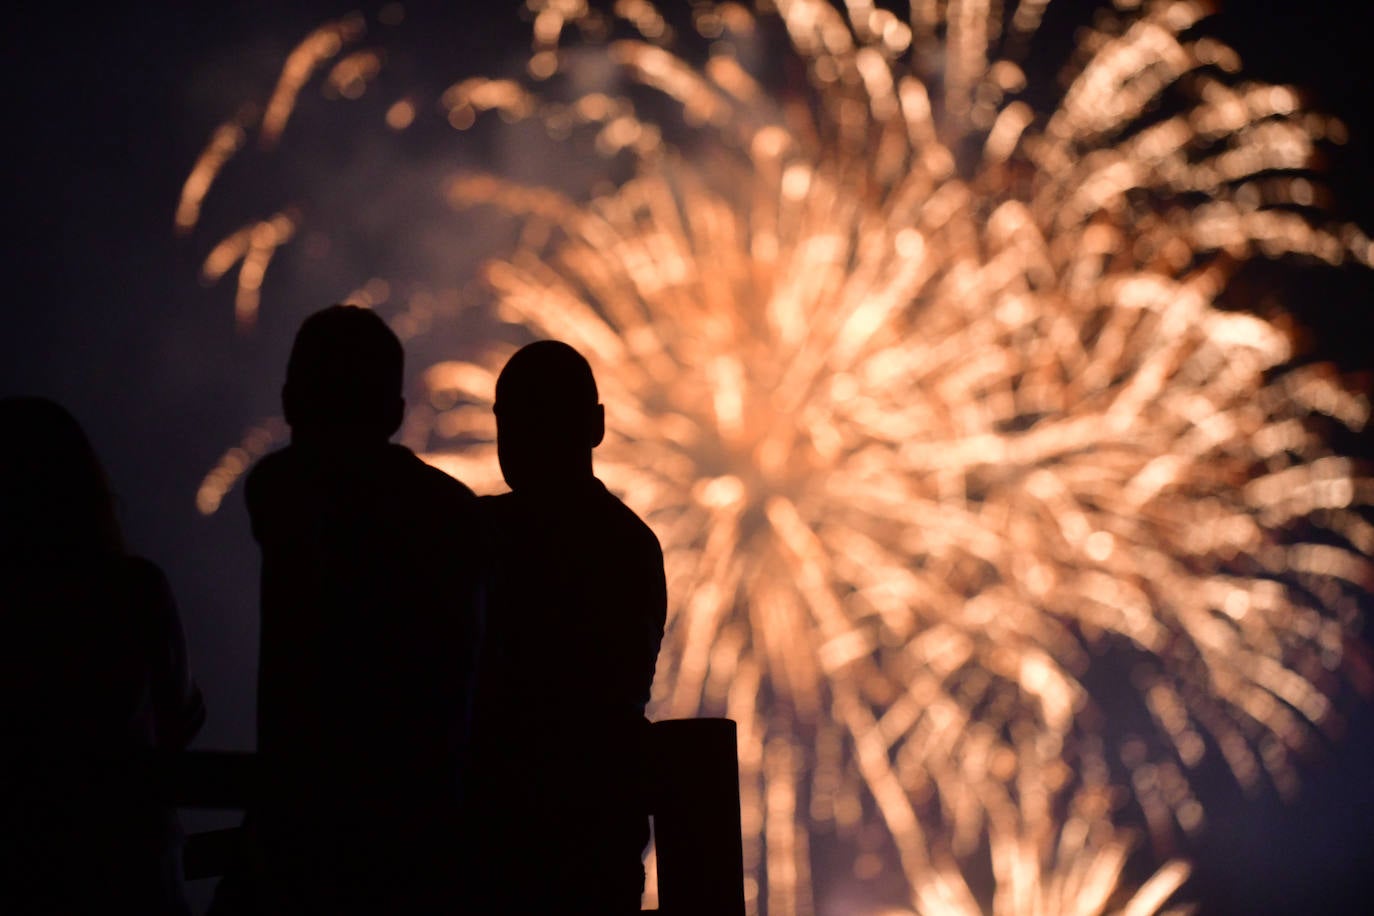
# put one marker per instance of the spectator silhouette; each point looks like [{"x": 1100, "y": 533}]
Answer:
[
  {"x": 368, "y": 641},
  {"x": 576, "y": 602},
  {"x": 93, "y": 675}
]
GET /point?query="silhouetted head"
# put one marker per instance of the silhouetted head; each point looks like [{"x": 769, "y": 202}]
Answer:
[
  {"x": 53, "y": 491},
  {"x": 343, "y": 380},
  {"x": 548, "y": 418}
]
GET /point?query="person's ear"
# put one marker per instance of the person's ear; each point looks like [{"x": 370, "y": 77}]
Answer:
[{"x": 597, "y": 429}]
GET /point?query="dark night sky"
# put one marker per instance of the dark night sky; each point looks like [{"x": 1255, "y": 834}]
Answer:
[{"x": 108, "y": 109}]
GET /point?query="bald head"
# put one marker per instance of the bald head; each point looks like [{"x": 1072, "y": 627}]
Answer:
[
  {"x": 548, "y": 418},
  {"x": 546, "y": 376}
]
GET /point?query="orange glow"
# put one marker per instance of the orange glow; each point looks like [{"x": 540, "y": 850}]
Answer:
[
  {"x": 929, "y": 397},
  {"x": 235, "y": 463},
  {"x": 400, "y": 115},
  {"x": 227, "y": 139},
  {"x": 252, "y": 247},
  {"x": 319, "y": 46},
  {"x": 350, "y": 76}
]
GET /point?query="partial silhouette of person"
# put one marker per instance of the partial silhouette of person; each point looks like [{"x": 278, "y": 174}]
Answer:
[
  {"x": 93, "y": 677},
  {"x": 369, "y": 630},
  {"x": 576, "y": 603}
]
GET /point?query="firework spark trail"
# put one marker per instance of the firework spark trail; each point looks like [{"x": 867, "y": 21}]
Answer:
[
  {"x": 252, "y": 248},
  {"x": 318, "y": 47},
  {"x": 227, "y": 140},
  {"x": 921, "y": 430}
]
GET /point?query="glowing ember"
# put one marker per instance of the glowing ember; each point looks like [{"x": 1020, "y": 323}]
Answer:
[{"x": 930, "y": 401}]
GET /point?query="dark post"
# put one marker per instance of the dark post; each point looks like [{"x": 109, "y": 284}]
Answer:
[{"x": 695, "y": 804}]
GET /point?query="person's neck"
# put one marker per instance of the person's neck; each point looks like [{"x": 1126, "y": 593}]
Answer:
[
  {"x": 337, "y": 439},
  {"x": 556, "y": 484}
]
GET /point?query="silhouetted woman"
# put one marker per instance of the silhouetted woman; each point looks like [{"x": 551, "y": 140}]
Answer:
[{"x": 93, "y": 675}]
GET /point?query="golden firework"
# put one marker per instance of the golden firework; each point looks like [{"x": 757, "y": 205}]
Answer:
[{"x": 930, "y": 400}]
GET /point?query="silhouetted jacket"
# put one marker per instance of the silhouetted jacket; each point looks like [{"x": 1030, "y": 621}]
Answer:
[
  {"x": 93, "y": 674},
  {"x": 576, "y": 603},
  {"x": 369, "y": 630}
]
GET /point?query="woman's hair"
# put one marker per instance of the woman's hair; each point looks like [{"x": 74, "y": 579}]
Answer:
[{"x": 53, "y": 491}]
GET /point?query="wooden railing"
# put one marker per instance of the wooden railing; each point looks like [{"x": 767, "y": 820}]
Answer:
[{"x": 694, "y": 801}]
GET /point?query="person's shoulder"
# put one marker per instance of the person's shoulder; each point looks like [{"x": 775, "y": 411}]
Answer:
[
  {"x": 439, "y": 483},
  {"x": 144, "y": 584},
  {"x": 282, "y": 461},
  {"x": 141, "y": 570},
  {"x": 493, "y": 508},
  {"x": 268, "y": 473},
  {"x": 631, "y": 524},
  {"x": 442, "y": 480}
]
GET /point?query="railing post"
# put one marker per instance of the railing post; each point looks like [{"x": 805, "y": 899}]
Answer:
[{"x": 695, "y": 804}]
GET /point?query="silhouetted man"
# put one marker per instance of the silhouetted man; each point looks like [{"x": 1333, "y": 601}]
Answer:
[
  {"x": 369, "y": 631},
  {"x": 575, "y": 608}
]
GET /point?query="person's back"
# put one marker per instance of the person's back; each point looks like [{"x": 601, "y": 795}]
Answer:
[
  {"x": 368, "y": 639},
  {"x": 367, "y": 627},
  {"x": 93, "y": 677},
  {"x": 576, "y": 607},
  {"x": 578, "y": 580}
]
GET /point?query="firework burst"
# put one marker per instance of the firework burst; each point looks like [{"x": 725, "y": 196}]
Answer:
[{"x": 930, "y": 399}]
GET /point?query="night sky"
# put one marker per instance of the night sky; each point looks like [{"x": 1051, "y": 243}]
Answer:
[{"x": 107, "y": 110}]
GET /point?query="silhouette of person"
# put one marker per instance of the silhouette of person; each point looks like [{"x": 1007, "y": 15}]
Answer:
[
  {"x": 576, "y": 602},
  {"x": 93, "y": 675},
  {"x": 369, "y": 630}
]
